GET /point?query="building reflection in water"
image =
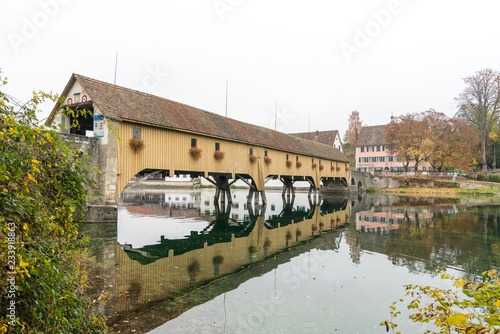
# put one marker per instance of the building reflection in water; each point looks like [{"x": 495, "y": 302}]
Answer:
[
  {"x": 384, "y": 219},
  {"x": 169, "y": 241}
]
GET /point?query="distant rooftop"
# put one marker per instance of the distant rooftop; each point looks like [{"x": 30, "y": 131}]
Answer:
[
  {"x": 324, "y": 137},
  {"x": 372, "y": 135}
]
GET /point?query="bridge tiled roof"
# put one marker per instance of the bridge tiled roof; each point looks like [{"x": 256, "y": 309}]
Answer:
[
  {"x": 324, "y": 137},
  {"x": 123, "y": 104}
]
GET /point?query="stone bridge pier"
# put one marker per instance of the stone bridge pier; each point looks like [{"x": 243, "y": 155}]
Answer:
[{"x": 100, "y": 208}]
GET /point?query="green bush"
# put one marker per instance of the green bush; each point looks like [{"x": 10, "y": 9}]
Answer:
[
  {"x": 42, "y": 195},
  {"x": 488, "y": 177}
]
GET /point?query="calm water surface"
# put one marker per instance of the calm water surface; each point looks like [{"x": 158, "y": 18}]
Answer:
[{"x": 176, "y": 263}]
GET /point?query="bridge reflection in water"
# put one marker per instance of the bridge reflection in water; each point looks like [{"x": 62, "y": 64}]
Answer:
[{"x": 165, "y": 246}]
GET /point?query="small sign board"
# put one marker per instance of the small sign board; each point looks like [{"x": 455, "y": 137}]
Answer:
[{"x": 98, "y": 125}]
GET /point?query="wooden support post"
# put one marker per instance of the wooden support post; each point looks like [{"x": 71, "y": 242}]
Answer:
[
  {"x": 223, "y": 196},
  {"x": 228, "y": 193},
  {"x": 216, "y": 197},
  {"x": 250, "y": 195}
]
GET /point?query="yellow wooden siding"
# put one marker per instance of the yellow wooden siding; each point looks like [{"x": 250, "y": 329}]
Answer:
[{"x": 169, "y": 149}]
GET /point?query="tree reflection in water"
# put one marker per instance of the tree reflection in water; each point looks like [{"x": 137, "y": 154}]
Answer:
[{"x": 425, "y": 239}]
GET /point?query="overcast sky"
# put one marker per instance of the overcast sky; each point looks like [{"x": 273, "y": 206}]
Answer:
[{"x": 318, "y": 59}]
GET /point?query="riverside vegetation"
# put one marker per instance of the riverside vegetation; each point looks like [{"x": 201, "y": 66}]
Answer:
[
  {"x": 42, "y": 198},
  {"x": 469, "y": 307}
]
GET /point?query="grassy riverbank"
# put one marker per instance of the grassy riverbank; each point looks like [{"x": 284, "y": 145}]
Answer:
[{"x": 437, "y": 192}]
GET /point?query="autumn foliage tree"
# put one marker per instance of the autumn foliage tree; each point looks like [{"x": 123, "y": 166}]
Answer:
[
  {"x": 433, "y": 137},
  {"x": 406, "y": 133},
  {"x": 450, "y": 142},
  {"x": 480, "y": 104}
]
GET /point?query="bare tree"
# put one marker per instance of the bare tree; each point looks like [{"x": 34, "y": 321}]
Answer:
[
  {"x": 351, "y": 136},
  {"x": 352, "y": 133},
  {"x": 480, "y": 103}
]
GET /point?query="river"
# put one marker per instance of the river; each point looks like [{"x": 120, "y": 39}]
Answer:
[{"x": 176, "y": 263}]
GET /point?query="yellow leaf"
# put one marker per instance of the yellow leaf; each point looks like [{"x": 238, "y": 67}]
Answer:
[
  {"x": 458, "y": 319},
  {"x": 23, "y": 263},
  {"x": 35, "y": 161}
]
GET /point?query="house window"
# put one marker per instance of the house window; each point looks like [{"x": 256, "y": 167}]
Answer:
[
  {"x": 193, "y": 142},
  {"x": 217, "y": 146},
  {"x": 265, "y": 153},
  {"x": 297, "y": 158},
  {"x": 362, "y": 149},
  {"x": 136, "y": 133},
  {"x": 251, "y": 151},
  {"x": 287, "y": 157},
  {"x": 378, "y": 148},
  {"x": 312, "y": 160}
]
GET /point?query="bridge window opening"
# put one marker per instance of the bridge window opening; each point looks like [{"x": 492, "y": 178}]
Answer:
[
  {"x": 265, "y": 153},
  {"x": 251, "y": 151},
  {"x": 136, "y": 133},
  {"x": 193, "y": 142},
  {"x": 217, "y": 146},
  {"x": 80, "y": 122}
]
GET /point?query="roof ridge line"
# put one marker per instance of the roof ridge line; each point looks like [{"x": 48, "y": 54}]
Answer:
[
  {"x": 149, "y": 94},
  {"x": 189, "y": 106}
]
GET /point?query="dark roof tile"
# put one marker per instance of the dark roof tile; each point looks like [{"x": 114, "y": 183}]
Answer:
[{"x": 372, "y": 135}]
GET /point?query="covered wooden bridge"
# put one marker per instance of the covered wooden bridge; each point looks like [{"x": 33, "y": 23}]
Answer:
[{"x": 180, "y": 139}]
